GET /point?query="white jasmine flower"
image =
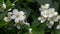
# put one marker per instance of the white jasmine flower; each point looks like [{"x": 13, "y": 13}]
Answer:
[
  {"x": 49, "y": 13},
  {"x": 58, "y": 27},
  {"x": 18, "y": 16}
]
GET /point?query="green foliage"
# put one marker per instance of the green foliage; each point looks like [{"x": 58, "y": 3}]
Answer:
[{"x": 28, "y": 6}]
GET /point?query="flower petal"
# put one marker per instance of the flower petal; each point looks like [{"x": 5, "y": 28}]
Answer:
[
  {"x": 17, "y": 20},
  {"x": 22, "y": 18},
  {"x": 21, "y": 13},
  {"x": 15, "y": 11}
]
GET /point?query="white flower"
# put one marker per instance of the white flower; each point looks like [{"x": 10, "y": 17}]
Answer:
[
  {"x": 18, "y": 16},
  {"x": 49, "y": 13},
  {"x": 58, "y": 27}
]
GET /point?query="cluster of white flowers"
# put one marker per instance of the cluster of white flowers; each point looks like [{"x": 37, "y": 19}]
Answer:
[
  {"x": 3, "y": 6},
  {"x": 48, "y": 14},
  {"x": 17, "y": 16}
]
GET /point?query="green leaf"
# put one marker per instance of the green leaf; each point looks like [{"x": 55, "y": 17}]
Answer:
[
  {"x": 35, "y": 23},
  {"x": 37, "y": 32},
  {"x": 35, "y": 14},
  {"x": 3, "y": 23},
  {"x": 27, "y": 11},
  {"x": 37, "y": 27},
  {"x": 55, "y": 5},
  {"x": 8, "y": 4},
  {"x": 1, "y": 2},
  {"x": 3, "y": 15}
]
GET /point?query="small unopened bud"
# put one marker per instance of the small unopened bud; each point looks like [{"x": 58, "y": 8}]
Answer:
[{"x": 30, "y": 30}]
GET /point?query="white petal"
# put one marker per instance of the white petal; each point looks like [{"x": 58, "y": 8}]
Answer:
[
  {"x": 17, "y": 20},
  {"x": 58, "y": 16},
  {"x": 56, "y": 19},
  {"x": 42, "y": 21},
  {"x": 21, "y": 13},
  {"x": 45, "y": 16},
  {"x": 9, "y": 9},
  {"x": 56, "y": 13},
  {"x": 10, "y": 13},
  {"x": 4, "y": 5},
  {"x": 50, "y": 16},
  {"x": 58, "y": 27},
  {"x": 22, "y": 18},
  {"x": 52, "y": 22},
  {"x": 6, "y": 19},
  {"x": 13, "y": 17},
  {"x": 27, "y": 24},
  {"x": 18, "y": 27},
  {"x": 30, "y": 29},
  {"x": 39, "y": 18},
  {"x": 47, "y": 5},
  {"x": 15, "y": 11},
  {"x": 52, "y": 9},
  {"x": 49, "y": 26}
]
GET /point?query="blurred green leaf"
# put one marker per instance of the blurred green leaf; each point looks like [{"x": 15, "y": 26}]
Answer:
[
  {"x": 3, "y": 23},
  {"x": 27, "y": 11},
  {"x": 55, "y": 5},
  {"x": 3, "y": 15},
  {"x": 35, "y": 14},
  {"x": 38, "y": 32},
  {"x": 1, "y": 2},
  {"x": 38, "y": 28},
  {"x": 8, "y": 4}
]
